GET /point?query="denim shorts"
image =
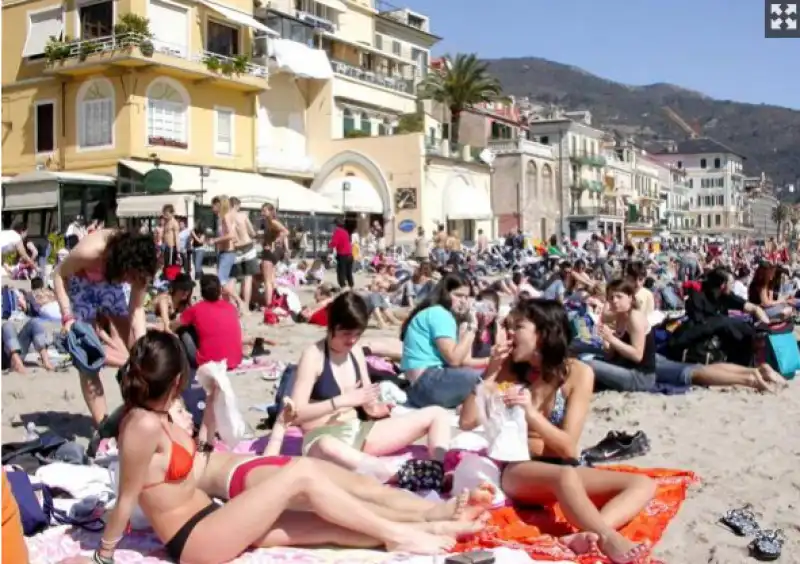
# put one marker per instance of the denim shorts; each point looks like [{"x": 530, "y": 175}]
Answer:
[
  {"x": 225, "y": 262},
  {"x": 444, "y": 386},
  {"x": 608, "y": 376},
  {"x": 673, "y": 373}
]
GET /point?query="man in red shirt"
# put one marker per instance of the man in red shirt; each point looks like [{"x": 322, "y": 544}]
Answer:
[
  {"x": 340, "y": 242},
  {"x": 215, "y": 324}
]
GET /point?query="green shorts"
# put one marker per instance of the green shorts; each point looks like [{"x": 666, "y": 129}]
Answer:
[{"x": 353, "y": 433}]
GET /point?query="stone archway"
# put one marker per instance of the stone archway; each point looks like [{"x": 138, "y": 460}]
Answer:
[{"x": 370, "y": 169}]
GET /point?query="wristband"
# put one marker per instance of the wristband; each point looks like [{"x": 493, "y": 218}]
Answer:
[{"x": 67, "y": 317}]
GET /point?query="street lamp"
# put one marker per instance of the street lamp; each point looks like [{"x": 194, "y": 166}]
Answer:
[
  {"x": 205, "y": 172},
  {"x": 345, "y": 190}
]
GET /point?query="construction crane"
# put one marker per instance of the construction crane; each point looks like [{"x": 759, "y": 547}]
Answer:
[{"x": 692, "y": 132}]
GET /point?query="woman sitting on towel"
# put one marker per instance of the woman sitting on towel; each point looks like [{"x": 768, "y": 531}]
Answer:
[
  {"x": 332, "y": 390},
  {"x": 89, "y": 285},
  {"x": 436, "y": 350},
  {"x": 760, "y": 293},
  {"x": 556, "y": 393},
  {"x": 157, "y": 460}
]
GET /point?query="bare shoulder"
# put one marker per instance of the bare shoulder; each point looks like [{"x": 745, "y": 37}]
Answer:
[
  {"x": 141, "y": 424},
  {"x": 313, "y": 352},
  {"x": 579, "y": 374}
]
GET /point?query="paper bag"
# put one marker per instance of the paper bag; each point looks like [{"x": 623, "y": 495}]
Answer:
[{"x": 505, "y": 427}]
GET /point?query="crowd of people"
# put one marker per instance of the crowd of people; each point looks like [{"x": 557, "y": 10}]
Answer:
[{"x": 545, "y": 345}]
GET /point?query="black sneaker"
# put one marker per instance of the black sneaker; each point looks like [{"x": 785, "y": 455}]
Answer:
[
  {"x": 617, "y": 445},
  {"x": 258, "y": 348}
]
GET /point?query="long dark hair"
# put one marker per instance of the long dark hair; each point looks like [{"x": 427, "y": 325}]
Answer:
[
  {"x": 553, "y": 338},
  {"x": 157, "y": 360},
  {"x": 440, "y": 295},
  {"x": 762, "y": 280}
]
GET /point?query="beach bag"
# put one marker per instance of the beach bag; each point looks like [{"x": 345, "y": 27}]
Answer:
[
  {"x": 505, "y": 428},
  {"x": 778, "y": 348},
  {"x": 707, "y": 351}
]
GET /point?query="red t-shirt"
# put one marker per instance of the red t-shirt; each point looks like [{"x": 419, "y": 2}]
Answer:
[{"x": 218, "y": 330}]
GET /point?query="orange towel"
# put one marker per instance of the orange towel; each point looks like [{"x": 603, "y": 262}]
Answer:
[{"x": 535, "y": 532}]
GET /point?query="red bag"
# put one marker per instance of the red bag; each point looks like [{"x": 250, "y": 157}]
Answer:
[{"x": 171, "y": 272}]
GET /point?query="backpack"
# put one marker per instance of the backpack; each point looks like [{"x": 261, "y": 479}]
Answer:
[{"x": 778, "y": 348}]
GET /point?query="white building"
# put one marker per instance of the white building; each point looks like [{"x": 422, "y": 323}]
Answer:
[{"x": 715, "y": 177}]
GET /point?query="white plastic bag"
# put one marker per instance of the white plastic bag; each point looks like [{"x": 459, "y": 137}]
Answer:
[
  {"x": 505, "y": 427},
  {"x": 475, "y": 470},
  {"x": 230, "y": 422}
]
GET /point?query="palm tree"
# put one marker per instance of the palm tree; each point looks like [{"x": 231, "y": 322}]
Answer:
[
  {"x": 780, "y": 214},
  {"x": 459, "y": 83}
]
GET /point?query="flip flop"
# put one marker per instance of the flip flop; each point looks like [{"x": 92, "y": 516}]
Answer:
[
  {"x": 742, "y": 522},
  {"x": 768, "y": 545}
]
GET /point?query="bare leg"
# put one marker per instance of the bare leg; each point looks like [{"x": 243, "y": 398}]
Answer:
[
  {"x": 390, "y": 316},
  {"x": 395, "y": 433},
  {"x": 379, "y": 318},
  {"x": 17, "y": 364},
  {"x": 247, "y": 291},
  {"x": 94, "y": 395},
  {"x": 726, "y": 374},
  {"x": 622, "y": 496},
  {"x": 45, "y": 357},
  {"x": 389, "y": 347},
  {"x": 268, "y": 272},
  {"x": 249, "y": 519}
]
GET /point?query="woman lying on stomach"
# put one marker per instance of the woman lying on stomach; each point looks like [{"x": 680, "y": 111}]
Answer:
[
  {"x": 333, "y": 385},
  {"x": 556, "y": 392},
  {"x": 156, "y": 472}
]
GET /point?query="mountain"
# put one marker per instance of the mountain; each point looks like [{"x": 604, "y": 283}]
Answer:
[{"x": 769, "y": 136}]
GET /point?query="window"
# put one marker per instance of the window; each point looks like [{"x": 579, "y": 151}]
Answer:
[
  {"x": 532, "y": 179},
  {"x": 288, "y": 28},
  {"x": 167, "y": 114},
  {"x": 717, "y": 219},
  {"x": 222, "y": 39},
  {"x": 96, "y": 20},
  {"x": 348, "y": 122},
  {"x": 680, "y": 164},
  {"x": 396, "y": 48},
  {"x": 224, "y": 132},
  {"x": 548, "y": 188},
  {"x": 96, "y": 114},
  {"x": 720, "y": 200},
  {"x": 366, "y": 123},
  {"x": 41, "y": 25},
  {"x": 717, "y": 163},
  {"x": 379, "y": 42},
  {"x": 702, "y": 163},
  {"x": 445, "y": 131},
  {"x": 544, "y": 140},
  {"x": 45, "y": 127},
  {"x": 367, "y": 61},
  {"x": 385, "y": 128},
  {"x": 420, "y": 57}
]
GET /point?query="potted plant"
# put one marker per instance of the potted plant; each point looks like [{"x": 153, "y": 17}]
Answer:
[
  {"x": 227, "y": 68},
  {"x": 57, "y": 50},
  {"x": 240, "y": 63},
  {"x": 212, "y": 63},
  {"x": 147, "y": 48},
  {"x": 136, "y": 30},
  {"x": 87, "y": 48}
]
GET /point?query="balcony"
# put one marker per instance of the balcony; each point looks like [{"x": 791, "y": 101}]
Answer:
[
  {"x": 650, "y": 195},
  {"x": 590, "y": 185},
  {"x": 448, "y": 150},
  {"x": 596, "y": 211},
  {"x": 520, "y": 146},
  {"x": 316, "y": 22},
  {"x": 587, "y": 159},
  {"x": 399, "y": 84},
  {"x": 135, "y": 52}
]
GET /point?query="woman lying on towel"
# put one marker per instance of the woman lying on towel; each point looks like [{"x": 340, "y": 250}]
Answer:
[
  {"x": 226, "y": 475},
  {"x": 556, "y": 393},
  {"x": 338, "y": 406},
  {"x": 157, "y": 461}
]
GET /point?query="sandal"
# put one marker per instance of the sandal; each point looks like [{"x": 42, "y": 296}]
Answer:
[
  {"x": 767, "y": 545},
  {"x": 741, "y": 521}
]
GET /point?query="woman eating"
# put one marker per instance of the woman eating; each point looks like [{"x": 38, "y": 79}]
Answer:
[
  {"x": 156, "y": 469},
  {"x": 629, "y": 364},
  {"x": 556, "y": 393},
  {"x": 333, "y": 385},
  {"x": 168, "y": 306},
  {"x": 88, "y": 286},
  {"x": 436, "y": 350}
]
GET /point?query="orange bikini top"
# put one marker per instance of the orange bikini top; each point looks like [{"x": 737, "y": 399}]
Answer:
[{"x": 180, "y": 463}]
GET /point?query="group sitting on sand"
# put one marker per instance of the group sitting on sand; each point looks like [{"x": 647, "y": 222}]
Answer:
[{"x": 455, "y": 347}]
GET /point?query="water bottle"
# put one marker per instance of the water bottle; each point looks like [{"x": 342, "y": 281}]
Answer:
[{"x": 30, "y": 432}]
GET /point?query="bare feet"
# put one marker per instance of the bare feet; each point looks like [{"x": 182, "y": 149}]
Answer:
[
  {"x": 771, "y": 377},
  {"x": 414, "y": 541},
  {"x": 581, "y": 543},
  {"x": 17, "y": 365},
  {"x": 620, "y": 550},
  {"x": 466, "y": 506},
  {"x": 454, "y": 529}
]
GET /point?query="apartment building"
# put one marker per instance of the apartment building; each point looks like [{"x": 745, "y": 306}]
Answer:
[
  {"x": 618, "y": 191},
  {"x": 719, "y": 202},
  {"x": 149, "y": 98},
  {"x": 578, "y": 149},
  {"x": 675, "y": 209},
  {"x": 644, "y": 215}
]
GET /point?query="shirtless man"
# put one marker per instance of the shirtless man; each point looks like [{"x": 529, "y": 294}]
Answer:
[
  {"x": 246, "y": 259},
  {"x": 226, "y": 247},
  {"x": 440, "y": 242},
  {"x": 170, "y": 235},
  {"x": 274, "y": 244}
]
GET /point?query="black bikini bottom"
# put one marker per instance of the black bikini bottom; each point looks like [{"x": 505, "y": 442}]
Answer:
[{"x": 176, "y": 544}]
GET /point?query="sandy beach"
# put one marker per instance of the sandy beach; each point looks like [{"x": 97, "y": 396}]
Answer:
[{"x": 743, "y": 445}]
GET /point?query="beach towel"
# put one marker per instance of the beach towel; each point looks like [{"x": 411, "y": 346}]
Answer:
[{"x": 536, "y": 531}]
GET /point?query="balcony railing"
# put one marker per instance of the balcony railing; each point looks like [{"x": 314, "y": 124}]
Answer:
[
  {"x": 316, "y": 21},
  {"x": 405, "y": 85},
  {"x": 86, "y": 48},
  {"x": 587, "y": 159},
  {"x": 594, "y": 211},
  {"x": 445, "y": 148},
  {"x": 591, "y": 185},
  {"x": 523, "y": 146},
  {"x": 649, "y": 194}
]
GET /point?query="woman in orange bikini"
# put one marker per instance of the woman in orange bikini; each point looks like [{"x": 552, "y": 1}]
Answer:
[
  {"x": 89, "y": 287},
  {"x": 156, "y": 459}
]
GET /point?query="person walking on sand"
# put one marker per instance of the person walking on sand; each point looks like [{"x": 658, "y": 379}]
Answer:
[
  {"x": 341, "y": 244},
  {"x": 246, "y": 259},
  {"x": 226, "y": 248},
  {"x": 170, "y": 234},
  {"x": 275, "y": 245}
]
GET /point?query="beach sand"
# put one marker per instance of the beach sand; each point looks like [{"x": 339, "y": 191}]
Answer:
[{"x": 745, "y": 446}]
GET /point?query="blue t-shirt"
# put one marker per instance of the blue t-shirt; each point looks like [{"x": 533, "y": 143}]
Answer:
[
  {"x": 555, "y": 291},
  {"x": 419, "y": 344}
]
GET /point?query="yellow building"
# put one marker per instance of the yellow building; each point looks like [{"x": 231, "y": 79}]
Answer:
[{"x": 268, "y": 103}]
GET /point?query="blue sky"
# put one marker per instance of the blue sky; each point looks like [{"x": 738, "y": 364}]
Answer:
[{"x": 716, "y": 47}]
